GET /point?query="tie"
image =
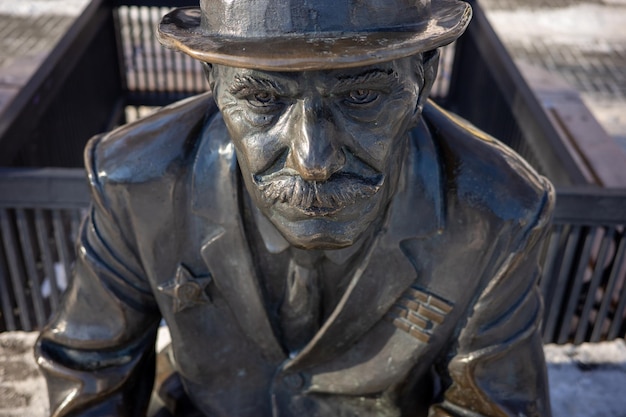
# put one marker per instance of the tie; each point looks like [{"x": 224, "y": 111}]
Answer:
[{"x": 300, "y": 310}]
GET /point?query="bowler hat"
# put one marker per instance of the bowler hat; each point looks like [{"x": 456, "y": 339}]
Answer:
[{"x": 297, "y": 35}]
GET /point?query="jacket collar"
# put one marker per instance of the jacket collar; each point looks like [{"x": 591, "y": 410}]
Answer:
[{"x": 416, "y": 212}]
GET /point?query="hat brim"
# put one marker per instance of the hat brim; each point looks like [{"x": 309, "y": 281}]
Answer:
[{"x": 180, "y": 30}]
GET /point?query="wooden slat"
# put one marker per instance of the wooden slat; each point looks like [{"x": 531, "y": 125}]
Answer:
[
  {"x": 590, "y": 205},
  {"x": 554, "y": 303},
  {"x": 594, "y": 286},
  {"x": 5, "y": 298},
  {"x": 15, "y": 270},
  {"x": 28, "y": 254},
  {"x": 43, "y": 187},
  {"x": 580, "y": 263},
  {"x": 62, "y": 242},
  {"x": 617, "y": 279},
  {"x": 42, "y": 226}
]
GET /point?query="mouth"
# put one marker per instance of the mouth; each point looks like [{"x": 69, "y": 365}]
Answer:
[{"x": 317, "y": 198}]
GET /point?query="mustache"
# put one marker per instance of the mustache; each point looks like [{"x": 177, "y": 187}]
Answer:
[{"x": 314, "y": 197}]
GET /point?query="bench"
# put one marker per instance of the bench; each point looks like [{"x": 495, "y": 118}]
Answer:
[{"x": 43, "y": 194}]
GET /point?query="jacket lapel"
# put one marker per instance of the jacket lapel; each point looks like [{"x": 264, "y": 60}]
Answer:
[
  {"x": 225, "y": 249},
  {"x": 417, "y": 212}
]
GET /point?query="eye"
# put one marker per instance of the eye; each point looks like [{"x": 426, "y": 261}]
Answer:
[
  {"x": 361, "y": 96},
  {"x": 262, "y": 99}
]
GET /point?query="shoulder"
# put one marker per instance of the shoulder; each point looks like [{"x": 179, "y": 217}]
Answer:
[
  {"x": 485, "y": 176},
  {"x": 148, "y": 148}
]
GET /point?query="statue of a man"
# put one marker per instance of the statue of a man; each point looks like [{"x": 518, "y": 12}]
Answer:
[{"x": 320, "y": 239}]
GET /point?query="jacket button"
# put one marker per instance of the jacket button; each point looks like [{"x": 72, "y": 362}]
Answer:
[{"x": 293, "y": 381}]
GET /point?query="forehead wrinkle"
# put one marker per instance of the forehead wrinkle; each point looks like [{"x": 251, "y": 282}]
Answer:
[{"x": 376, "y": 76}]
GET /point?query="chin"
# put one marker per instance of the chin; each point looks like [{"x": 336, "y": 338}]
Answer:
[
  {"x": 322, "y": 244},
  {"x": 319, "y": 233},
  {"x": 324, "y": 233}
]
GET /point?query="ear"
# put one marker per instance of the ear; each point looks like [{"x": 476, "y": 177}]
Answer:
[{"x": 430, "y": 63}]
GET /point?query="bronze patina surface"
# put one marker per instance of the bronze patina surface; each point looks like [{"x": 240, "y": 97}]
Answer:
[{"x": 320, "y": 238}]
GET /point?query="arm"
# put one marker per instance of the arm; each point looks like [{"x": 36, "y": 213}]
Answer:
[
  {"x": 97, "y": 352},
  {"x": 498, "y": 367}
]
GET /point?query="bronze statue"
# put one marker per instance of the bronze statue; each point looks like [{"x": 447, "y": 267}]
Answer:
[{"x": 319, "y": 237}]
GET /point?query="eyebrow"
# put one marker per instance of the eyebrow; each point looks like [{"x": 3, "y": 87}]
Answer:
[
  {"x": 243, "y": 84},
  {"x": 376, "y": 76}
]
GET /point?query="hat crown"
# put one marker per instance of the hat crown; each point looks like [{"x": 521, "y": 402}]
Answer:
[
  {"x": 274, "y": 18},
  {"x": 307, "y": 35}
]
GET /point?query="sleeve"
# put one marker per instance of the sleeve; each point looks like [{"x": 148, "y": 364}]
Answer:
[
  {"x": 498, "y": 366},
  {"x": 97, "y": 352}
]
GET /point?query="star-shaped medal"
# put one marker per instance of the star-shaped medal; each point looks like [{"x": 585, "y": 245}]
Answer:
[{"x": 186, "y": 290}]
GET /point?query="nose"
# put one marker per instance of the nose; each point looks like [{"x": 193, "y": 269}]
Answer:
[{"x": 315, "y": 151}]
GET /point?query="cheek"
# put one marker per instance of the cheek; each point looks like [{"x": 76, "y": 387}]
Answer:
[
  {"x": 257, "y": 148},
  {"x": 377, "y": 140}
]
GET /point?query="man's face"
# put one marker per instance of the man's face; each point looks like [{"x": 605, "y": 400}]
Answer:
[{"x": 320, "y": 151}]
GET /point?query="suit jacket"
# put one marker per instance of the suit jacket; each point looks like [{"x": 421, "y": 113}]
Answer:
[{"x": 165, "y": 239}]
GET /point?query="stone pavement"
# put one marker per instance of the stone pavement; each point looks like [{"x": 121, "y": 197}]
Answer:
[
  {"x": 22, "y": 390},
  {"x": 583, "y": 41},
  {"x": 28, "y": 32},
  {"x": 585, "y": 381}
]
